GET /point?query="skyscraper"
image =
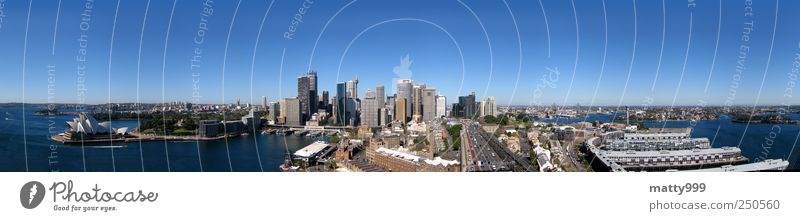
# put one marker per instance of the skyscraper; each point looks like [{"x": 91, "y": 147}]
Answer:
[
  {"x": 458, "y": 109},
  {"x": 383, "y": 117},
  {"x": 293, "y": 112},
  {"x": 465, "y": 107},
  {"x": 390, "y": 104},
  {"x": 341, "y": 90},
  {"x": 405, "y": 89},
  {"x": 352, "y": 88},
  {"x": 400, "y": 109},
  {"x": 380, "y": 95},
  {"x": 441, "y": 105},
  {"x": 325, "y": 98},
  {"x": 307, "y": 94},
  {"x": 264, "y": 103},
  {"x": 416, "y": 103},
  {"x": 478, "y": 108},
  {"x": 489, "y": 106},
  {"x": 369, "y": 110},
  {"x": 334, "y": 110},
  {"x": 428, "y": 104},
  {"x": 274, "y": 111},
  {"x": 351, "y": 113},
  {"x": 282, "y": 108},
  {"x": 281, "y": 112}
]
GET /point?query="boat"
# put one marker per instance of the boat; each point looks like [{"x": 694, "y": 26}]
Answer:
[{"x": 284, "y": 132}]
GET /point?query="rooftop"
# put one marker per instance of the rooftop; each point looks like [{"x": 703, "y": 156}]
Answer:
[
  {"x": 407, "y": 156},
  {"x": 311, "y": 149}
]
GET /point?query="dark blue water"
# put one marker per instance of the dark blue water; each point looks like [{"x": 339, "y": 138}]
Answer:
[
  {"x": 757, "y": 141},
  {"x": 46, "y": 155}
]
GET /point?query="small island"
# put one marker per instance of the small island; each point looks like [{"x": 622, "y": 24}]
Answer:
[
  {"x": 763, "y": 119},
  {"x": 48, "y": 112}
]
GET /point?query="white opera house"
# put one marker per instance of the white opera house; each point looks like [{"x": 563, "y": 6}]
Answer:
[{"x": 86, "y": 127}]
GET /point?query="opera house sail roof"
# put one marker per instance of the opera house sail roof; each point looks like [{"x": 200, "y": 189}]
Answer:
[{"x": 87, "y": 124}]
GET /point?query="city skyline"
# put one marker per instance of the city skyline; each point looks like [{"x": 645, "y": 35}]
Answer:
[{"x": 252, "y": 61}]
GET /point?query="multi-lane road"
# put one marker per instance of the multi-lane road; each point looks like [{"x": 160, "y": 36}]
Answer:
[{"x": 483, "y": 152}]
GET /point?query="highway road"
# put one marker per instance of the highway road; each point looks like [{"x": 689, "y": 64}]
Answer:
[{"x": 487, "y": 153}]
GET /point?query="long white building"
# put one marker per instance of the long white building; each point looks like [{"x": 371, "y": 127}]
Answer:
[{"x": 661, "y": 152}]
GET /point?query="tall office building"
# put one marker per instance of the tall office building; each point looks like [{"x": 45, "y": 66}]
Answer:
[
  {"x": 352, "y": 88},
  {"x": 282, "y": 108},
  {"x": 405, "y": 89},
  {"x": 478, "y": 108},
  {"x": 457, "y": 110},
  {"x": 274, "y": 111},
  {"x": 351, "y": 111},
  {"x": 465, "y": 107},
  {"x": 380, "y": 95},
  {"x": 307, "y": 94},
  {"x": 390, "y": 103},
  {"x": 334, "y": 110},
  {"x": 383, "y": 117},
  {"x": 341, "y": 90},
  {"x": 441, "y": 105},
  {"x": 416, "y": 102},
  {"x": 489, "y": 106},
  {"x": 400, "y": 109},
  {"x": 369, "y": 93},
  {"x": 325, "y": 98},
  {"x": 264, "y": 103},
  {"x": 369, "y": 110},
  {"x": 428, "y": 104},
  {"x": 293, "y": 112}
]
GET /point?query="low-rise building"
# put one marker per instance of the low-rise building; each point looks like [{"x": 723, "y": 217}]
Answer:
[
  {"x": 209, "y": 128},
  {"x": 400, "y": 161}
]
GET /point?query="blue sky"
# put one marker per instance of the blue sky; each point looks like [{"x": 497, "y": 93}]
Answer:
[{"x": 445, "y": 40}]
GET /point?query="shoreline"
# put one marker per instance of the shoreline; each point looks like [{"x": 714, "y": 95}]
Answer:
[{"x": 138, "y": 138}]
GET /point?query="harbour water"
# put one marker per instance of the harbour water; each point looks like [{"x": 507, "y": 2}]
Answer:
[{"x": 45, "y": 155}]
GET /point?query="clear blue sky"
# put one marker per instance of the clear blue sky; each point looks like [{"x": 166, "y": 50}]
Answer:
[{"x": 392, "y": 29}]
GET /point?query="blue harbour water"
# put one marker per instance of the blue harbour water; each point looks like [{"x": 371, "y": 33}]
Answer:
[{"x": 46, "y": 155}]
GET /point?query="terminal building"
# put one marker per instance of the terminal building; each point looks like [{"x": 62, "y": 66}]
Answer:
[
  {"x": 618, "y": 152},
  {"x": 313, "y": 152}
]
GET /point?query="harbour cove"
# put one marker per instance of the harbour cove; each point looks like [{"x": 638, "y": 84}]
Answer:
[{"x": 156, "y": 156}]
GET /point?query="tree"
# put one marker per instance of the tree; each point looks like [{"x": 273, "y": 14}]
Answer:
[
  {"x": 504, "y": 120},
  {"x": 455, "y": 133},
  {"x": 490, "y": 119},
  {"x": 331, "y": 165},
  {"x": 334, "y": 139}
]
